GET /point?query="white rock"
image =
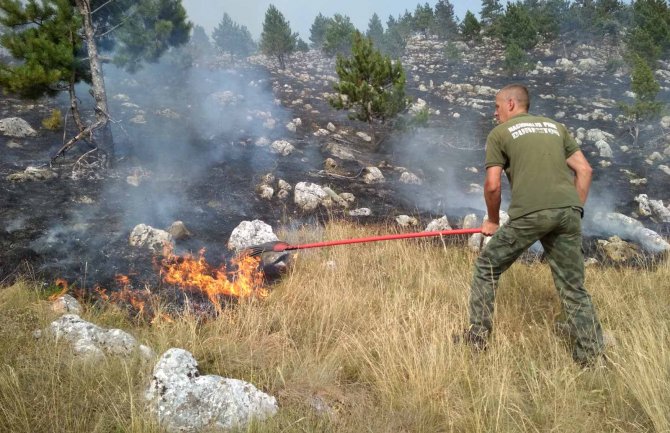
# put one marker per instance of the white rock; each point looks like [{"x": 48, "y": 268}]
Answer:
[
  {"x": 16, "y": 127},
  {"x": 439, "y": 224},
  {"x": 410, "y": 178},
  {"x": 92, "y": 341},
  {"x": 373, "y": 175},
  {"x": 144, "y": 236},
  {"x": 265, "y": 192},
  {"x": 665, "y": 122},
  {"x": 360, "y": 212},
  {"x": 249, "y": 233},
  {"x": 184, "y": 401},
  {"x": 406, "y": 221},
  {"x": 605, "y": 149},
  {"x": 331, "y": 127},
  {"x": 282, "y": 147},
  {"x": 471, "y": 221},
  {"x": 66, "y": 304},
  {"x": 665, "y": 169},
  {"x": 291, "y": 126},
  {"x": 363, "y": 136},
  {"x": 308, "y": 196}
]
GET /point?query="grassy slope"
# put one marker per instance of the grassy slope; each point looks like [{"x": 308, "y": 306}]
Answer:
[{"x": 366, "y": 338}]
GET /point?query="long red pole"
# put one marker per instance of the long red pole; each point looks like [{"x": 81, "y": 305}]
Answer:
[{"x": 285, "y": 247}]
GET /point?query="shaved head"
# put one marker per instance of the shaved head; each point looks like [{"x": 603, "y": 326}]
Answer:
[{"x": 518, "y": 93}]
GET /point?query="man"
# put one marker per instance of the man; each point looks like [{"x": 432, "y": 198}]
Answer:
[{"x": 550, "y": 179}]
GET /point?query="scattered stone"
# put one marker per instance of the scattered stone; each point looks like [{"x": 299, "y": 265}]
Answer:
[
  {"x": 250, "y": 233},
  {"x": 321, "y": 132},
  {"x": 478, "y": 241},
  {"x": 360, "y": 212},
  {"x": 282, "y": 147},
  {"x": 373, "y": 175},
  {"x": 339, "y": 151},
  {"x": 439, "y": 224},
  {"x": 178, "y": 231},
  {"x": 93, "y": 342},
  {"x": 308, "y": 196},
  {"x": 66, "y": 304},
  {"x": 406, "y": 221},
  {"x": 335, "y": 197},
  {"x": 13, "y": 144},
  {"x": 605, "y": 149},
  {"x": 330, "y": 165},
  {"x": 591, "y": 261},
  {"x": 348, "y": 197},
  {"x": 33, "y": 174},
  {"x": 410, "y": 178},
  {"x": 144, "y": 236},
  {"x": 331, "y": 127},
  {"x": 471, "y": 221},
  {"x": 16, "y": 127},
  {"x": 618, "y": 250},
  {"x": 363, "y": 136},
  {"x": 283, "y": 185},
  {"x": 665, "y": 122},
  {"x": 665, "y": 169},
  {"x": 184, "y": 401},
  {"x": 475, "y": 188},
  {"x": 139, "y": 119},
  {"x": 266, "y": 192}
]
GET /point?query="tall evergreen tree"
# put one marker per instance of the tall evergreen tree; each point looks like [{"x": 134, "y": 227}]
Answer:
[
  {"x": 471, "y": 28},
  {"x": 423, "y": 19},
  {"x": 318, "y": 31},
  {"x": 395, "y": 38},
  {"x": 446, "y": 25},
  {"x": 277, "y": 39},
  {"x": 375, "y": 31},
  {"x": 373, "y": 84},
  {"x": 339, "y": 36},
  {"x": 233, "y": 38},
  {"x": 491, "y": 11},
  {"x": 517, "y": 27},
  {"x": 48, "y": 35}
]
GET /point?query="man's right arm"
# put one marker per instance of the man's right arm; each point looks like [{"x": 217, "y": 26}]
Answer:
[
  {"x": 492, "y": 196},
  {"x": 583, "y": 173}
]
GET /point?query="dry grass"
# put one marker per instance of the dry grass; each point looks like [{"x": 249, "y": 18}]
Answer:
[{"x": 357, "y": 339}]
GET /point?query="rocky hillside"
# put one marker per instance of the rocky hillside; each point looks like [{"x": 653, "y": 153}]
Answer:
[{"x": 224, "y": 142}]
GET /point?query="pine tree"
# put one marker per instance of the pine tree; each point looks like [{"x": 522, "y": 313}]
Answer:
[
  {"x": 49, "y": 35},
  {"x": 517, "y": 27},
  {"x": 653, "y": 16},
  {"x": 277, "y": 39},
  {"x": 491, "y": 11},
  {"x": 318, "y": 31},
  {"x": 395, "y": 38},
  {"x": 370, "y": 83},
  {"x": 645, "y": 87},
  {"x": 445, "y": 20},
  {"x": 375, "y": 31},
  {"x": 471, "y": 28},
  {"x": 232, "y": 38},
  {"x": 516, "y": 60},
  {"x": 339, "y": 36},
  {"x": 423, "y": 19}
]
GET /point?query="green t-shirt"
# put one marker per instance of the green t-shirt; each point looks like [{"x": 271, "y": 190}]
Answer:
[{"x": 532, "y": 150}]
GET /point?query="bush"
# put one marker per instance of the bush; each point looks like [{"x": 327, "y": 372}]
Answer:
[
  {"x": 516, "y": 60},
  {"x": 55, "y": 121}
]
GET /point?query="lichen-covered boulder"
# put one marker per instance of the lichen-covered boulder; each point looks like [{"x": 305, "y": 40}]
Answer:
[
  {"x": 144, "y": 236},
  {"x": 16, "y": 127},
  {"x": 250, "y": 233},
  {"x": 185, "y": 401}
]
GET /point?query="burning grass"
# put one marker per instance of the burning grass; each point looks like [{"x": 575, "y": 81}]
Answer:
[{"x": 357, "y": 338}]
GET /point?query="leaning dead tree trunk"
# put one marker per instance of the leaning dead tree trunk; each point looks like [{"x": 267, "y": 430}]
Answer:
[{"x": 99, "y": 130}]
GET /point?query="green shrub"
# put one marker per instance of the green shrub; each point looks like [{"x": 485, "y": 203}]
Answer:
[{"x": 55, "y": 121}]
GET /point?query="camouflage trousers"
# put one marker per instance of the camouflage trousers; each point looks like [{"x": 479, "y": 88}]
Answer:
[{"x": 559, "y": 231}]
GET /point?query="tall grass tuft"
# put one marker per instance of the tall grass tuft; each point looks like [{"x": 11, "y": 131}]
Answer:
[{"x": 358, "y": 338}]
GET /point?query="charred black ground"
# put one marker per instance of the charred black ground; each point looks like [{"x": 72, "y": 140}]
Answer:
[{"x": 199, "y": 164}]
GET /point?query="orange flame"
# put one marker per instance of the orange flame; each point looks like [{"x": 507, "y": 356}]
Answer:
[{"x": 189, "y": 272}]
